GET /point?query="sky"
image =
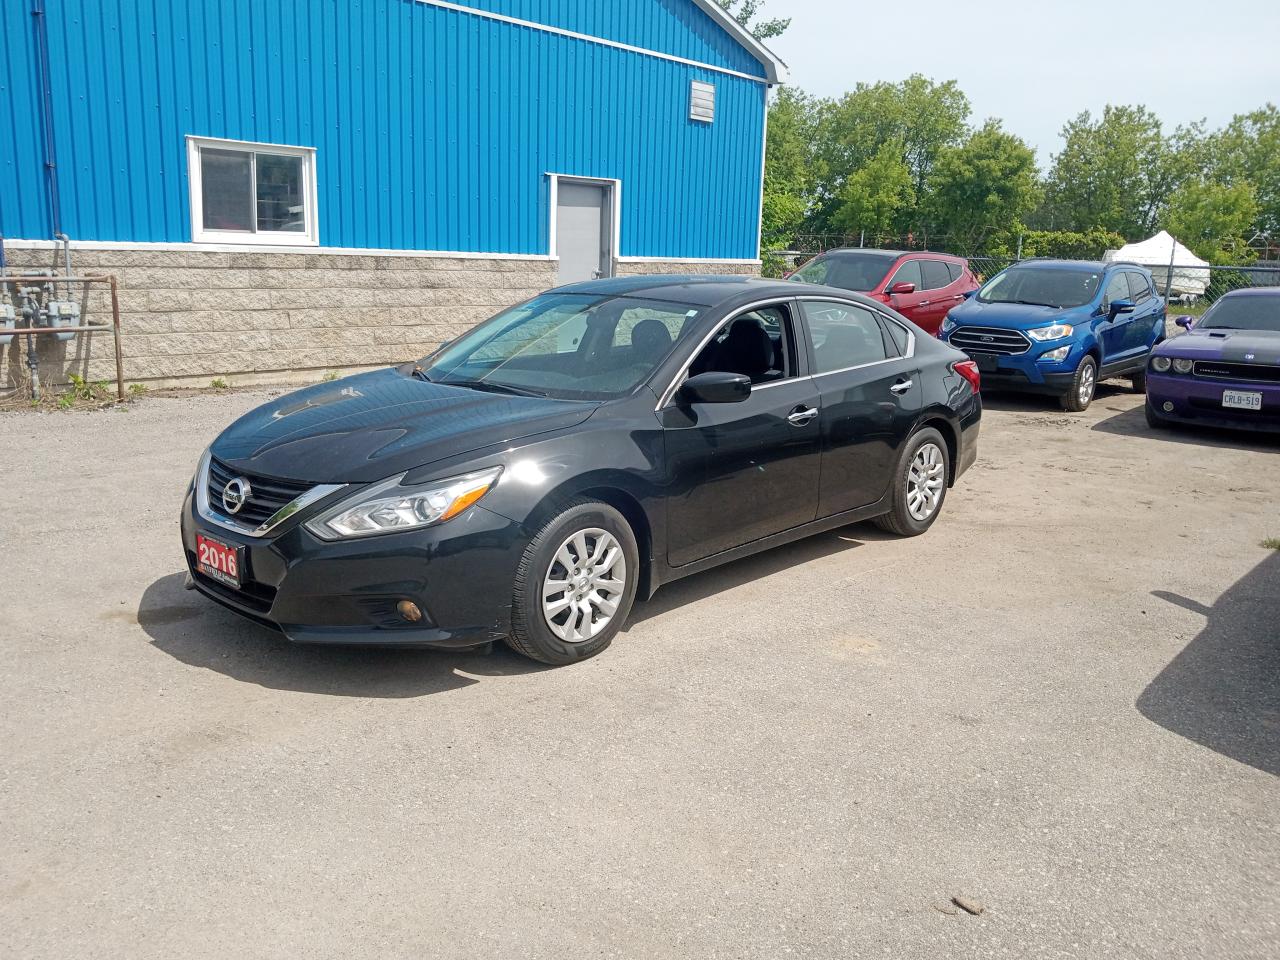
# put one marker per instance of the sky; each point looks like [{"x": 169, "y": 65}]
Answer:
[{"x": 1037, "y": 63}]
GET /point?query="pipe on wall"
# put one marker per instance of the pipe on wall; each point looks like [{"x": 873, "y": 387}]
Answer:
[{"x": 46, "y": 99}]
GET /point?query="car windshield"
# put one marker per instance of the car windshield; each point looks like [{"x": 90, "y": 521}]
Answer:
[
  {"x": 1042, "y": 286},
  {"x": 1243, "y": 313},
  {"x": 571, "y": 346},
  {"x": 849, "y": 271}
]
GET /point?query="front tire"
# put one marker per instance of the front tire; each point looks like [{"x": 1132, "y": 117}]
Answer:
[
  {"x": 1139, "y": 381},
  {"x": 919, "y": 485},
  {"x": 1083, "y": 387},
  {"x": 575, "y": 584}
]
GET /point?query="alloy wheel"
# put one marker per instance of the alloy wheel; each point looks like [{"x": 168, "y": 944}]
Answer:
[
  {"x": 584, "y": 585},
  {"x": 925, "y": 482},
  {"x": 1088, "y": 383}
]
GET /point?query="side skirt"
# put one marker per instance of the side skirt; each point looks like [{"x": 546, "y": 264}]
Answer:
[{"x": 671, "y": 574}]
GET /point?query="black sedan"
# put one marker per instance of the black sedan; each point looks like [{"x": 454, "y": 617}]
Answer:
[{"x": 531, "y": 479}]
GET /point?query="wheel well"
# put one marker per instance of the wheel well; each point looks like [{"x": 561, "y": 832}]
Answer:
[
  {"x": 953, "y": 443},
  {"x": 630, "y": 508}
]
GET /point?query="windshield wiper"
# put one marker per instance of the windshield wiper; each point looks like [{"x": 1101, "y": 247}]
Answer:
[
  {"x": 490, "y": 387},
  {"x": 1032, "y": 303},
  {"x": 418, "y": 373}
]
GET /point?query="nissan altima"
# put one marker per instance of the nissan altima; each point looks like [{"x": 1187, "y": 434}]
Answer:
[{"x": 530, "y": 480}]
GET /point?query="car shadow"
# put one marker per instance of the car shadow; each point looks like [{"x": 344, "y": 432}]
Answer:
[
  {"x": 1223, "y": 690},
  {"x": 700, "y": 586},
  {"x": 1012, "y": 401},
  {"x": 1133, "y": 423},
  {"x": 198, "y": 632}
]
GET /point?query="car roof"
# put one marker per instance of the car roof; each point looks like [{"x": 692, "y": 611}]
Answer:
[
  {"x": 1252, "y": 292},
  {"x": 704, "y": 290},
  {"x": 894, "y": 254},
  {"x": 1053, "y": 264}
]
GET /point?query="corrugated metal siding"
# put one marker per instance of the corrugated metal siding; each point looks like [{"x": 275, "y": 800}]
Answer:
[
  {"x": 676, "y": 27},
  {"x": 434, "y": 128},
  {"x": 23, "y": 199}
]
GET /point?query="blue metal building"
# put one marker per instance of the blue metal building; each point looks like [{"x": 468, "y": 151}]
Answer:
[{"x": 509, "y": 127}]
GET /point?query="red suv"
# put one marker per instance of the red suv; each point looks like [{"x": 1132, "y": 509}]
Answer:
[{"x": 920, "y": 286}]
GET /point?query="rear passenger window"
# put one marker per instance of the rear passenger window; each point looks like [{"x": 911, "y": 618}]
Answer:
[
  {"x": 909, "y": 272},
  {"x": 1139, "y": 289},
  {"x": 955, "y": 271},
  {"x": 898, "y": 334},
  {"x": 843, "y": 335},
  {"x": 936, "y": 275}
]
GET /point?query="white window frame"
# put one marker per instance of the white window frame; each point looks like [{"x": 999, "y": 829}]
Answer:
[{"x": 310, "y": 237}]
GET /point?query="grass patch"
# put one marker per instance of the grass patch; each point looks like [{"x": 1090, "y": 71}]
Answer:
[
  {"x": 1271, "y": 543},
  {"x": 219, "y": 384}
]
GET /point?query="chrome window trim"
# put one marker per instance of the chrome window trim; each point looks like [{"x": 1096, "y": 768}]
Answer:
[
  {"x": 209, "y": 515},
  {"x": 668, "y": 395}
]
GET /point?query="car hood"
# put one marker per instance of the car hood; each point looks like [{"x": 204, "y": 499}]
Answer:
[
  {"x": 374, "y": 425},
  {"x": 1234, "y": 346},
  {"x": 1016, "y": 316}
]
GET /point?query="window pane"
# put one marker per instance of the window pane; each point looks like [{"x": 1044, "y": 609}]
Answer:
[
  {"x": 280, "y": 206},
  {"x": 935, "y": 274},
  {"x": 1117, "y": 289},
  {"x": 1138, "y": 287},
  {"x": 758, "y": 345},
  {"x": 843, "y": 336},
  {"x": 909, "y": 272},
  {"x": 226, "y": 186},
  {"x": 900, "y": 336}
]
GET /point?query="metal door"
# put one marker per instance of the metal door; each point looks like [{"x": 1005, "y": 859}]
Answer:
[{"x": 584, "y": 231}]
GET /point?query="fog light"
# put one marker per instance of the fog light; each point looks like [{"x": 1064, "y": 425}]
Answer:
[
  {"x": 1167, "y": 407},
  {"x": 409, "y": 610}
]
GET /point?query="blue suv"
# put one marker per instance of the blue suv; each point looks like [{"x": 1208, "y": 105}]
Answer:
[{"x": 1060, "y": 326}]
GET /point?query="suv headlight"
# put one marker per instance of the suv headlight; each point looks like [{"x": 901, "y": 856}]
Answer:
[
  {"x": 1161, "y": 364},
  {"x": 947, "y": 325},
  {"x": 1055, "y": 331},
  {"x": 388, "y": 507}
]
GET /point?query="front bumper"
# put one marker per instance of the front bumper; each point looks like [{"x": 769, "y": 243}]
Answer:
[
  {"x": 1024, "y": 372},
  {"x": 460, "y": 575},
  {"x": 1199, "y": 401}
]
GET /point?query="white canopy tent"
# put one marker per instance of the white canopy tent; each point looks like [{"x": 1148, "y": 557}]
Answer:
[{"x": 1190, "y": 273}]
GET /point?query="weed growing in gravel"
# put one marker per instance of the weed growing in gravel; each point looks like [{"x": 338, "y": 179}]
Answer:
[
  {"x": 330, "y": 376},
  {"x": 1271, "y": 543},
  {"x": 137, "y": 389},
  {"x": 218, "y": 384}
]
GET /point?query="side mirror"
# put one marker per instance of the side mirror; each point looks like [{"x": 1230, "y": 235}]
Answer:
[
  {"x": 716, "y": 386},
  {"x": 1118, "y": 307},
  {"x": 970, "y": 294},
  {"x": 899, "y": 288},
  {"x": 1186, "y": 322}
]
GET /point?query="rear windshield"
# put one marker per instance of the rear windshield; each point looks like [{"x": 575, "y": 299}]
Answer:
[
  {"x": 1042, "y": 286},
  {"x": 1243, "y": 313},
  {"x": 849, "y": 271}
]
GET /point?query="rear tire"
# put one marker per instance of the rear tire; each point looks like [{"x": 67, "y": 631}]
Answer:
[
  {"x": 575, "y": 585},
  {"x": 1139, "y": 381},
  {"x": 919, "y": 485},
  {"x": 1083, "y": 387}
]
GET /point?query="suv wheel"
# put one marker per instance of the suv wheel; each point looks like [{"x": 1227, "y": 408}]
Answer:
[
  {"x": 1083, "y": 386},
  {"x": 919, "y": 485},
  {"x": 575, "y": 585},
  {"x": 1139, "y": 381}
]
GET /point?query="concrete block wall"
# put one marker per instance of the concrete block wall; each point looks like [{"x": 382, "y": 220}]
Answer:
[{"x": 190, "y": 316}]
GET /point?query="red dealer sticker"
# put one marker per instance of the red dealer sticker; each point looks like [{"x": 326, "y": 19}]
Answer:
[{"x": 217, "y": 561}]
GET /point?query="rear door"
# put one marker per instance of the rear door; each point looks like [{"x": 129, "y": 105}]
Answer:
[
  {"x": 740, "y": 472},
  {"x": 869, "y": 390}
]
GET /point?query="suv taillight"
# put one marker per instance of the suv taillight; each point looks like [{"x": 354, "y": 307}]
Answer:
[{"x": 969, "y": 370}]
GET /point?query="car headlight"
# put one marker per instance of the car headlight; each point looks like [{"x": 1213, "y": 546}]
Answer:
[
  {"x": 389, "y": 507},
  {"x": 1161, "y": 364},
  {"x": 1054, "y": 356},
  {"x": 947, "y": 325},
  {"x": 1055, "y": 331},
  {"x": 1182, "y": 366}
]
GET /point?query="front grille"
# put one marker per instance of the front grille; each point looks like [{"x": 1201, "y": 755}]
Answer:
[
  {"x": 990, "y": 340},
  {"x": 1254, "y": 372},
  {"x": 266, "y": 497}
]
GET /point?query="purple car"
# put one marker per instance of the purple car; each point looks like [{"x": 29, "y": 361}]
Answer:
[{"x": 1225, "y": 372}]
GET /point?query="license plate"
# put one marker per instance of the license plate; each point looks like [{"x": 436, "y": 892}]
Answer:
[
  {"x": 217, "y": 561},
  {"x": 1242, "y": 400},
  {"x": 987, "y": 362}
]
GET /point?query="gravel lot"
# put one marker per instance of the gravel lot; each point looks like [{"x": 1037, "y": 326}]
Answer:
[{"x": 1064, "y": 702}]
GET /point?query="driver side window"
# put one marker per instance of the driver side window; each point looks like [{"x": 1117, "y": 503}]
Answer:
[
  {"x": 909, "y": 272},
  {"x": 759, "y": 344},
  {"x": 1117, "y": 289}
]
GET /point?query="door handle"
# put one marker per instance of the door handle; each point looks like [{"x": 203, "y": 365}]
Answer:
[
  {"x": 802, "y": 416},
  {"x": 901, "y": 387}
]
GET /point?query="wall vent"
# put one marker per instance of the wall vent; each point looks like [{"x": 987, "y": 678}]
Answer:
[{"x": 702, "y": 101}]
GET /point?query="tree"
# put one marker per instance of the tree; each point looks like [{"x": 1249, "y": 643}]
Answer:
[
  {"x": 1117, "y": 172},
  {"x": 874, "y": 196},
  {"x": 979, "y": 192},
  {"x": 744, "y": 11},
  {"x": 1213, "y": 219},
  {"x": 1248, "y": 151},
  {"x": 918, "y": 116},
  {"x": 788, "y": 179}
]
